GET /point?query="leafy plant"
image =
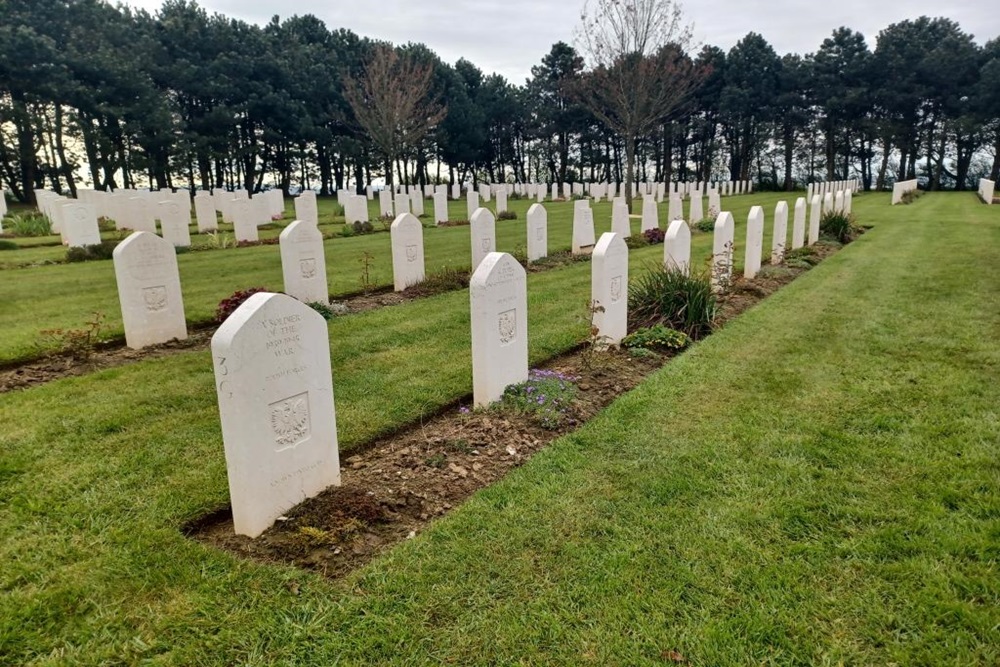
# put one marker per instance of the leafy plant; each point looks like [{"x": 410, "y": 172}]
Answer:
[
  {"x": 547, "y": 396},
  {"x": 446, "y": 279},
  {"x": 8, "y": 245},
  {"x": 674, "y": 298},
  {"x": 323, "y": 309},
  {"x": 88, "y": 253},
  {"x": 220, "y": 240},
  {"x": 229, "y": 305},
  {"x": 80, "y": 343},
  {"x": 802, "y": 258},
  {"x": 29, "y": 224},
  {"x": 367, "y": 260},
  {"x": 363, "y": 227},
  {"x": 657, "y": 337},
  {"x": 910, "y": 196},
  {"x": 705, "y": 225},
  {"x": 839, "y": 226},
  {"x": 654, "y": 235},
  {"x": 507, "y": 215}
]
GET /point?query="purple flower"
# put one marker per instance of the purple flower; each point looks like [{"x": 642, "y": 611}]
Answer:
[{"x": 464, "y": 410}]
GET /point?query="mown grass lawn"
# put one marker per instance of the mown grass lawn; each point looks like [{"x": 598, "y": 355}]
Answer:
[
  {"x": 815, "y": 484},
  {"x": 66, "y": 296}
]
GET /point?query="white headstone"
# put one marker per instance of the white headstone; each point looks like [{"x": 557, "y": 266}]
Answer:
[
  {"x": 471, "y": 202},
  {"x": 584, "y": 237},
  {"x": 440, "y": 207},
  {"x": 149, "y": 290},
  {"x": 498, "y": 298},
  {"x": 697, "y": 210},
  {"x": 619, "y": 218},
  {"x": 828, "y": 202},
  {"x": 815, "y": 213},
  {"x": 402, "y": 204},
  {"x": 141, "y": 218},
  {"x": 799, "y": 224},
  {"x": 174, "y": 221},
  {"x": 80, "y": 226},
  {"x": 714, "y": 204},
  {"x": 838, "y": 201},
  {"x": 723, "y": 250},
  {"x": 677, "y": 247},
  {"x": 755, "y": 242},
  {"x": 385, "y": 202},
  {"x": 416, "y": 203},
  {"x": 303, "y": 262},
  {"x": 483, "y": 226},
  {"x": 407, "y": 238},
  {"x": 676, "y": 208},
  {"x": 306, "y": 209},
  {"x": 609, "y": 289},
  {"x": 780, "y": 237},
  {"x": 275, "y": 392},
  {"x": 650, "y": 215},
  {"x": 848, "y": 201},
  {"x": 244, "y": 220},
  {"x": 204, "y": 211},
  {"x": 456, "y": 191},
  {"x": 538, "y": 233},
  {"x": 501, "y": 205}
]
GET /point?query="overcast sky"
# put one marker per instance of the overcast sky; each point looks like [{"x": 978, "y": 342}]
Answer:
[{"x": 509, "y": 36}]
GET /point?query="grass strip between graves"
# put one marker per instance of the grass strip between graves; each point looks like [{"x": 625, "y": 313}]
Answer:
[{"x": 817, "y": 483}]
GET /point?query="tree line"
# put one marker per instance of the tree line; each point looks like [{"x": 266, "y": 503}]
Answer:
[{"x": 185, "y": 98}]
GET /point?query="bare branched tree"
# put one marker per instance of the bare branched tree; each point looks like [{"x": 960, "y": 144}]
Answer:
[
  {"x": 391, "y": 101},
  {"x": 640, "y": 72}
]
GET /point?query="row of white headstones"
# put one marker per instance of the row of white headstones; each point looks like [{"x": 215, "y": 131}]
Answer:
[
  {"x": 986, "y": 190},
  {"x": 272, "y": 356}
]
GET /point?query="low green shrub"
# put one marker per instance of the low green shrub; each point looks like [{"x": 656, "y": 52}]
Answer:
[
  {"x": 8, "y": 245},
  {"x": 654, "y": 236},
  {"x": 839, "y": 226},
  {"x": 29, "y": 224},
  {"x": 657, "y": 337},
  {"x": 806, "y": 255},
  {"x": 363, "y": 227},
  {"x": 507, "y": 215},
  {"x": 671, "y": 297},
  {"x": 705, "y": 225},
  {"x": 323, "y": 309},
  {"x": 88, "y": 253}
]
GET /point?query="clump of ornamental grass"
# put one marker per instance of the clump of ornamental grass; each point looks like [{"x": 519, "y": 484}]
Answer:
[{"x": 673, "y": 298}]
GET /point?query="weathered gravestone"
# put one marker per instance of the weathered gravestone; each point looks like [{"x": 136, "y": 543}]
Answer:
[
  {"x": 780, "y": 229},
  {"x": 799, "y": 224},
  {"x": 440, "y": 207},
  {"x": 141, "y": 217},
  {"x": 416, "y": 203},
  {"x": 407, "y": 238},
  {"x": 583, "y": 228},
  {"x": 815, "y": 213},
  {"x": 697, "y": 210},
  {"x": 483, "y": 228},
  {"x": 609, "y": 289},
  {"x": 723, "y": 251},
  {"x": 303, "y": 262},
  {"x": 174, "y": 221},
  {"x": 501, "y": 205},
  {"x": 471, "y": 202},
  {"x": 677, "y": 247},
  {"x": 755, "y": 242},
  {"x": 149, "y": 290},
  {"x": 498, "y": 298},
  {"x": 204, "y": 212},
  {"x": 244, "y": 220},
  {"x": 619, "y": 218},
  {"x": 538, "y": 233},
  {"x": 675, "y": 211},
  {"x": 401, "y": 204},
  {"x": 275, "y": 391},
  {"x": 650, "y": 215},
  {"x": 79, "y": 225},
  {"x": 306, "y": 208},
  {"x": 385, "y": 202}
]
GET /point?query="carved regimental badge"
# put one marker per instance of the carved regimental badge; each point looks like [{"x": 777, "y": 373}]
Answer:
[
  {"x": 507, "y": 322},
  {"x": 308, "y": 268},
  {"x": 411, "y": 253},
  {"x": 290, "y": 421},
  {"x": 155, "y": 298}
]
